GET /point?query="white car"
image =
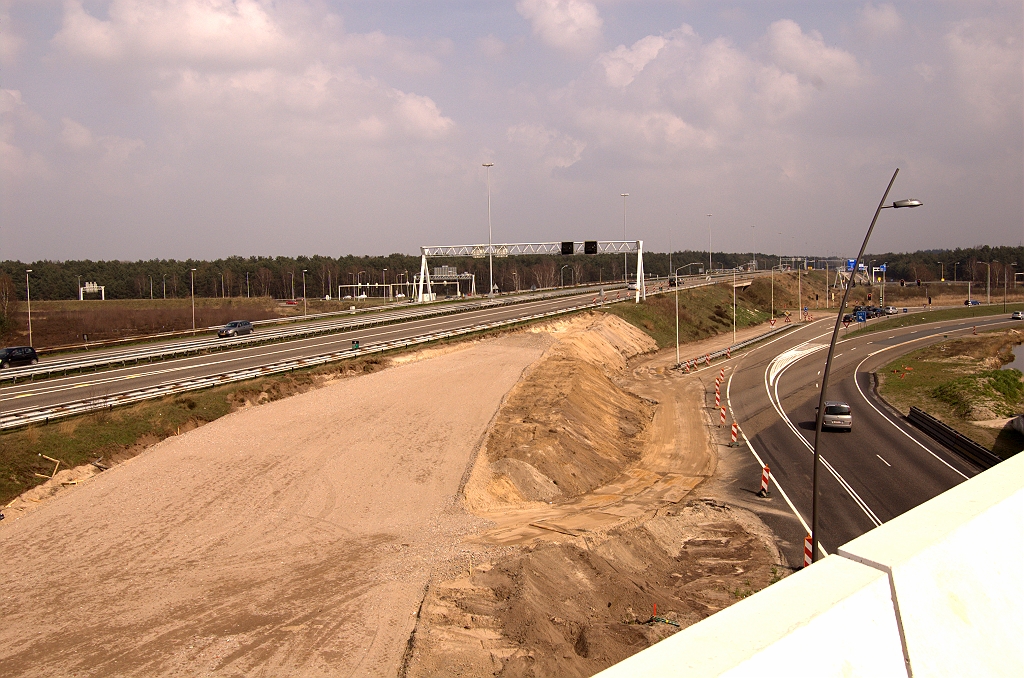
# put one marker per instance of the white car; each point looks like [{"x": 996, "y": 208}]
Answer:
[
  {"x": 1017, "y": 315},
  {"x": 891, "y": 310}
]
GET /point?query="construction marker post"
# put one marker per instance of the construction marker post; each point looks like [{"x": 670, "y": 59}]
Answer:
[
  {"x": 722, "y": 422},
  {"x": 735, "y": 431},
  {"x": 766, "y": 475},
  {"x": 718, "y": 403},
  {"x": 807, "y": 551}
]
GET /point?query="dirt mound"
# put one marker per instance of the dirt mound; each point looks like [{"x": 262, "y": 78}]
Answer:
[
  {"x": 566, "y": 428},
  {"x": 574, "y": 608}
]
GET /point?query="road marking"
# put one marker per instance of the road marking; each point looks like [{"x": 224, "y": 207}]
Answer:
[
  {"x": 760, "y": 462},
  {"x": 777, "y": 405},
  {"x": 898, "y": 428},
  {"x": 883, "y": 460},
  {"x": 110, "y": 377}
]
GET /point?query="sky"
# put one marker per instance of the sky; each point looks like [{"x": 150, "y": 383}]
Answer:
[{"x": 152, "y": 129}]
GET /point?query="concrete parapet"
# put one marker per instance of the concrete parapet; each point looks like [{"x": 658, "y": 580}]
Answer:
[{"x": 937, "y": 591}]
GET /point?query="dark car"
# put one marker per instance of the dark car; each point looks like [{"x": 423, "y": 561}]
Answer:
[
  {"x": 972, "y": 302},
  {"x": 17, "y": 355},
  {"x": 235, "y": 328},
  {"x": 849, "y": 318}
]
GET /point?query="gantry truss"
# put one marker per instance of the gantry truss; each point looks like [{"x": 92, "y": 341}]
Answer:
[{"x": 501, "y": 250}]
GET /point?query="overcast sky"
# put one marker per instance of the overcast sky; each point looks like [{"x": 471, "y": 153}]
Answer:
[{"x": 137, "y": 129}]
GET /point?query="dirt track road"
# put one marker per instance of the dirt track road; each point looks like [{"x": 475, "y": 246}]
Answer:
[{"x": 293, "y": 538}]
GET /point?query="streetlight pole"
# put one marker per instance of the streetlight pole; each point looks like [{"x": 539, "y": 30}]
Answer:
[
  {"x": 734, "y": 305},
  {"x": 710, "y": 267},
  {"x": 988, "y": 284},
  {"x": 675, "y": 274},
  {"x": 303, "y": 293},
  {"x": 292, "y": 274},
  {"x": 819, "y": 418},
  {"x": 150, "y": 288},
  {"x": 192, "y": 271},
  {"x": 942, "y": 271},
  {"x": 28, "y": 302},
  {"x": 247, "y": 284},
  {"x": 561, "y": 273},
  {"x": 384, "y": 278},
  {"x": 625, "y": 256},
  {"x": 490, "y": 253}
]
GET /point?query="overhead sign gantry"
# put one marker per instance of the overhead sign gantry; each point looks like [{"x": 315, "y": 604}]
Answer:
[{"x": 562, "y": 248}]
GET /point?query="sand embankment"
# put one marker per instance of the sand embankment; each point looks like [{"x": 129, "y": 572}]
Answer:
[{"x": 293, "y": 538}]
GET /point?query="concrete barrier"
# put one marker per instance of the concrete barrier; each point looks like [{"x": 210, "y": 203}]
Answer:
[{"x": 937, "y": 591}]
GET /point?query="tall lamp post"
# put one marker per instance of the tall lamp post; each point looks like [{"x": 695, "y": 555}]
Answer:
[
  {"x": 988, "y": 283},
  {"x": 625, "y": 256},
  {"x": 561, "y": 273},
  {"x": 675, "y": 275},
  {"x": 292, "y": 274},
  {"x": 28, "y": 301},
  {"x": 164, "y": 285},
  {"x": 490, "y": 253},
  {"x": 303, "y": 293},
  {"x": 384, "y": 279},
  {"x": 942, "y": 270},
  {"x": 192, "y": 271},
  {"x": 710, "y": 267},
  {"x": 819, "y": 418}
]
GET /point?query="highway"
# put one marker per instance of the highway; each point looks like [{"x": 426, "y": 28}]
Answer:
[
  {"x": 880, "y": 469},
  {"x": 54, "y": 391}
]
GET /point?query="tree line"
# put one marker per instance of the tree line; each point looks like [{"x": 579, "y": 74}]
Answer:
[{"x": 282, "y": 277}]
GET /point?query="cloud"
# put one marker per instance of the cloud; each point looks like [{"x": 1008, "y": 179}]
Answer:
[
  {"x": 573, "y": 26},
  {"x": 490, "y": 46},
  {"x": 173, "y": 31},
  {"x": 806, "y": 55},
  {"x": 547, "y": 148},
  {"x": 986, "y": 59},
  {"x": 880, "y": 20},
  {"x": 76, "y": 136},
  {"x": 623, "y": 63}
]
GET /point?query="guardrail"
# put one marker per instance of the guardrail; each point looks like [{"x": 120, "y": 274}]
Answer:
[
  {"x": 19, "y": 418},
  {"x": 135, "y": 355},
  {"x": 953, "y": 439}
]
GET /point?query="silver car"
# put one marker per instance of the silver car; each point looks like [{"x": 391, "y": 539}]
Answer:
[{"x": 837, "y": 415}]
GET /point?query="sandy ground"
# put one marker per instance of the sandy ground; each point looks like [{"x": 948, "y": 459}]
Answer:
[
  {"x": 609, "y": 550},
  {"x": 295, "y": 538},
  {"x": 328, "y": 533}
]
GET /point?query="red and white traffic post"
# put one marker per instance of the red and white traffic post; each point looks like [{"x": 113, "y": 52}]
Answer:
[{"x": 766, "y": 475}]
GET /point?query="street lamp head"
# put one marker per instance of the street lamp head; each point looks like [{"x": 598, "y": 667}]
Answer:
[
  {"x": 624, "y": 195},
  {"x": 28, "y": 270},
  {"x": 907, "y": 203},
  {"x": 488, "y": 164}
]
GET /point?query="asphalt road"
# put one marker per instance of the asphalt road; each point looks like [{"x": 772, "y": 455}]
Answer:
[
  {"x": 880, "y": 469},
  {"x": 59, "y": 390}
]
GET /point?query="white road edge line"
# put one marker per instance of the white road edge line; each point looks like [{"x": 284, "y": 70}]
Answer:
[
  {"x": 777, "y": 405},
  {"x": 883, "y": 415},
  {"x": 884, "y": 461},
  {"x": 728, "y": 401}
]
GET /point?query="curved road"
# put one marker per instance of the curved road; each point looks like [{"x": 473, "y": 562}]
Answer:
[{"x": 880, "y": 469}]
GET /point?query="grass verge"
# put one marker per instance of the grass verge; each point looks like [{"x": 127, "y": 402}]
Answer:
[
  {"x": 703, "y": 312},
  {"x": 959, "y": 382}
]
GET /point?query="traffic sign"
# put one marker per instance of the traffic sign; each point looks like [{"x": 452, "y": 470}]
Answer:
[
  {"x": 846, "y": 323},
  {"x": 772, "y": 322}
]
